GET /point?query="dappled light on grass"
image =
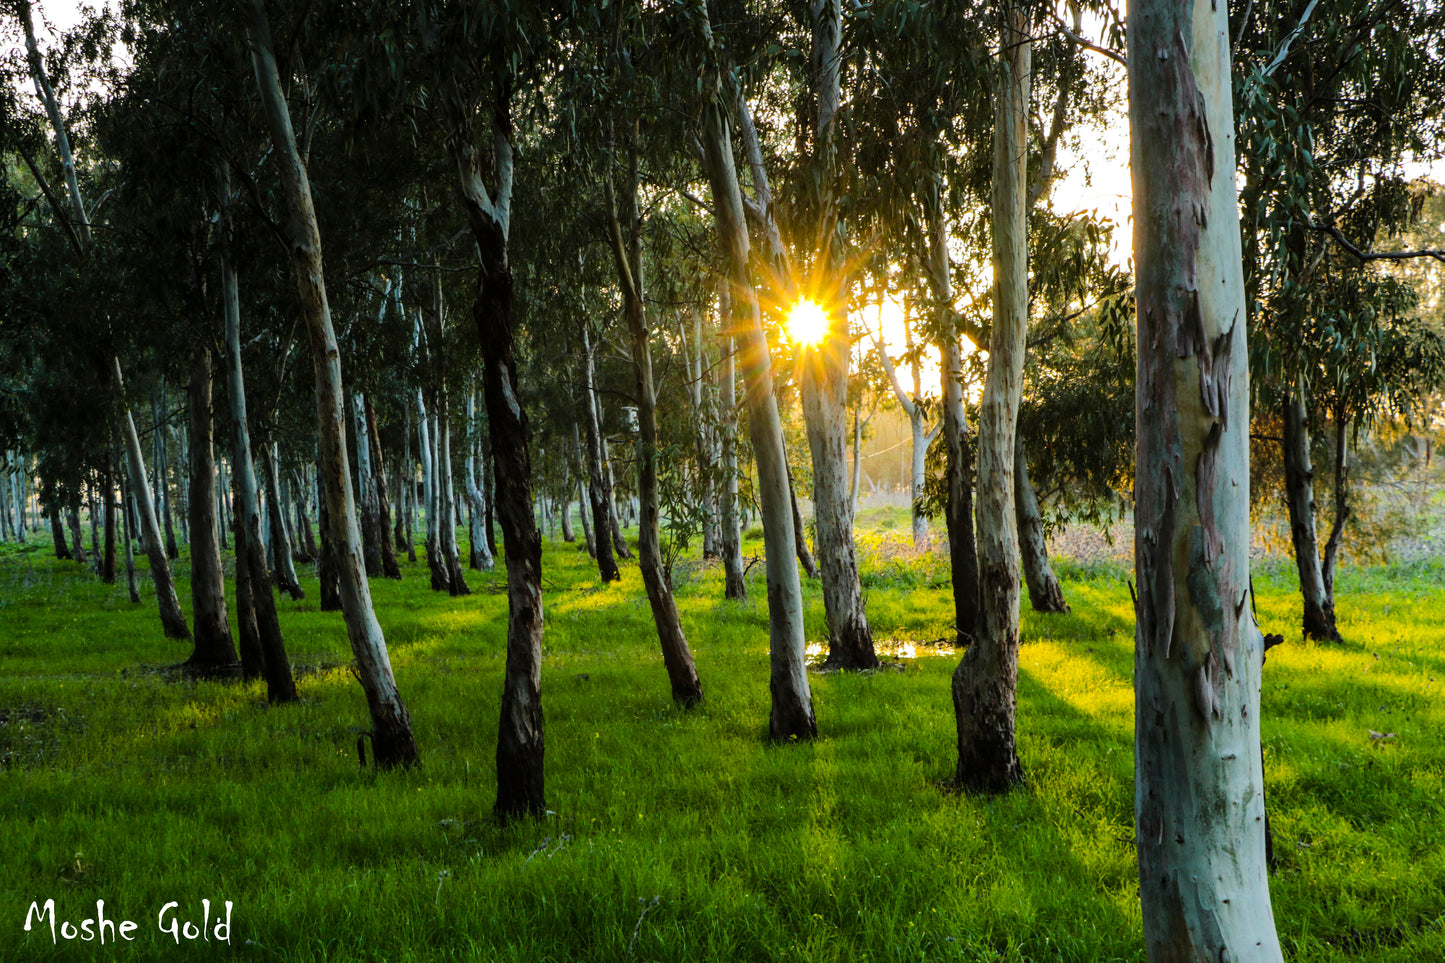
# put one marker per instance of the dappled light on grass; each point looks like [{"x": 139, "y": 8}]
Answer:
[{"x": 838, "y": 850}]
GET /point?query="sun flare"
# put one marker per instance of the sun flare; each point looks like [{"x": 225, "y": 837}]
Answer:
[{"x": 807, "y": 323}]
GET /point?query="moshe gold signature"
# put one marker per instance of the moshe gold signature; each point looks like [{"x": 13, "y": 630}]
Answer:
[{"x": 98, "y": 927}]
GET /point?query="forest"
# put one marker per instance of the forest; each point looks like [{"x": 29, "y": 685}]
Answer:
[{"x": 722, "y": 480}]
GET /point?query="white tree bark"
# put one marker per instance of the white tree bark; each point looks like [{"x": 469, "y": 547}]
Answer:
[
  {"x": 391, "y": 734},
  {"x": 1199, "y": 793},
  {"x": 986, "y": 681},
  {"x": 792, "y": 701},
  {"x": 173, "y": 621}
]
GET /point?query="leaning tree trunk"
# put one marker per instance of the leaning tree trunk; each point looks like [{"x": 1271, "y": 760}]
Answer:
[
  {"x": 627, "y": 253},
  {"x": 391, "y": 735},
  {"x": 266, "y": 655},
  {"x": 791, "y": 715},
  {"x": 986, "y": 681},
  {"x": 1045, "y": 594},
  {"x": 172, "y": 619},
  {"x": 800, "y": 531},
  {"x": 214, "y": 650},
  {"x": 599, "y": 492},
  {"x": 958, "y": 511},
  {"x": 1198, "y": 782},
  {"x": 1299, "y": 478}
]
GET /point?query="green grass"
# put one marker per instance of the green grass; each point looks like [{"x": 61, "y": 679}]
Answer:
[{"x": 684, "y": 835}]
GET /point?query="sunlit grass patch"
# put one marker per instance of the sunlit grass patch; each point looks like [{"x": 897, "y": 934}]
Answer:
[{"x": 684, "y": 835}]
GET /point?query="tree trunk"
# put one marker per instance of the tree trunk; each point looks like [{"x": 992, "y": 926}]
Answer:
[
  {"x": 599, "y": 492},
  {"x": 958, "y": 511},
  {"x": 1342, "y": 505},
  {"x": 389, "y": 566},
  {"x": 163, "y": 469},
  {"x": 286, "y": 580},
  {"x": 266, "y": 654},
  {"x": 791, "y": 715},
  {"x": 77, "y": 539},
  {"x": 391, "y": 735},
  {"x": 520, "y": 744},
  {"x": 986, "y": 681},
  {"x": 824, "y": 389},
  {"x": 627, "y": 253},
  {"x": 614, "y": 521},
  {"x": 173, "y": 621},
  {"x": 328, "y": 569},
  {"x": 1299, "y": 476},
  {"x": 306, "y": 538},
  {"x": 107, "y": 565},
  {"x": 730, "y": 541},
  {"x": 130, "y": 583},
  {"x": 214, "y": 651},
  {"x": 432, "y": 497},
  {"x": 57, "y": 534},
  {"x": 583, "y": 512},
  {"x": 94, "y": 520},
  {"x": 451, "y": 553},
  {"x": 481, "y": 559},
  {"x": 1045, "y": 594},
  {"x": 371, "y": 531},
  {"x": 1198, "y": 798},
  {"x": 800, "y": 531}
]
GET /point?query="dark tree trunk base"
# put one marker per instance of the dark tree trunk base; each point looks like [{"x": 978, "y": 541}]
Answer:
[
  {"x": 790, "y": 719},
  {"x": 392, "y": 743},
  {"x": 988, "y": 762},
  {"x": 854, "y": 652},
  {"x": 1049, "y": 600},
  {"x": 1319, "y": 623}
]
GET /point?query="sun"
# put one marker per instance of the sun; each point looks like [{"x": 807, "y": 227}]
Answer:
[{"x": 808, "y": 323}]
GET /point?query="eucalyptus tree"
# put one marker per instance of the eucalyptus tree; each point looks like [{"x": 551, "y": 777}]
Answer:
[
  {"x": 391, "y": 735},
  {"x": 461, "y": 82},
  {"x": 986, "y": 680},
  {"x": 626, "y": 227},
  {"x": 1332, "y": 102},
  {"x": 922, "y": 128},
  {"x": 1198, "y": 800},
  {"x": 791, "y": 716},
  {"x": 78, "y": 220}
]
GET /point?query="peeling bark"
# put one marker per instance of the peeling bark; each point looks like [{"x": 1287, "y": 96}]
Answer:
[{"x": 1199, "y": 802}]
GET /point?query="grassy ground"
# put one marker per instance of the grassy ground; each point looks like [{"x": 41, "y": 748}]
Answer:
[{"x": 677, "y": 835}]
